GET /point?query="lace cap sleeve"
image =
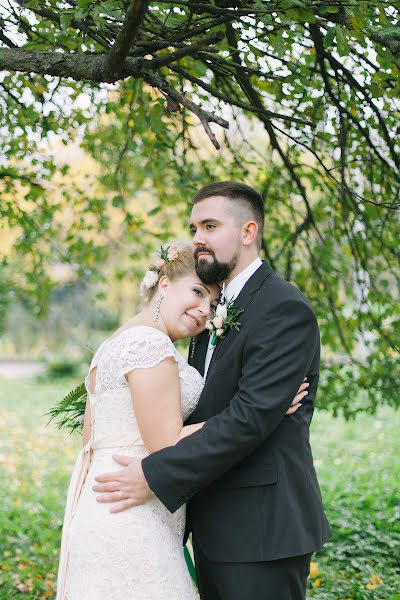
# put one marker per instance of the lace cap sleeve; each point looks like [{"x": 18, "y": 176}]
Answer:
[{"x": 142, "y": 348}]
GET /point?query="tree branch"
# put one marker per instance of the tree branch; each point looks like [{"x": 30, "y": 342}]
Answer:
[
  {"x": 167, "y": 59},
  {"x": 155, "y": 80},
  {"x": 90, "y": 68},
  {"x": 6, "y": 40},
  {"x": 234, "y": 101},
  {"x": 125, "y": 38}
]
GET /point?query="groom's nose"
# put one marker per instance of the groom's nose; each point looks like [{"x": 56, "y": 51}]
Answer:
[{"x": 198, "y": 238}]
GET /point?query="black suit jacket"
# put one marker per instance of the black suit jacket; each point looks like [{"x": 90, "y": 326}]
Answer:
[{"x": 248, "y": 474}]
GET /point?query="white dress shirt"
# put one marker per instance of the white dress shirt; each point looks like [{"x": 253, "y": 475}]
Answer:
[{"x": 231, "y": 292}]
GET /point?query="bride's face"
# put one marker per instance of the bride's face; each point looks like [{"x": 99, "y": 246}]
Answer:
[{"x": 186, "y": 305}]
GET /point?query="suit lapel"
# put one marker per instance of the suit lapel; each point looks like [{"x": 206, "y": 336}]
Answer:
[{"x": 242, "y": 302}]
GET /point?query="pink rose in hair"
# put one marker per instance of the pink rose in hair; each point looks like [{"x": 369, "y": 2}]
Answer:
[
  {"x": 172, "y": 255},
  {"x": 150, "y": 279},
  {"x": 159, "y": 263}
]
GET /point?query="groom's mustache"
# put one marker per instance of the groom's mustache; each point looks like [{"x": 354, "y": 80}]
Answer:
[{"x": 201, "y": 249}]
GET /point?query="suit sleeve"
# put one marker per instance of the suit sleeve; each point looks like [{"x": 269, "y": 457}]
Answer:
[{"x": 276, "y": 357}]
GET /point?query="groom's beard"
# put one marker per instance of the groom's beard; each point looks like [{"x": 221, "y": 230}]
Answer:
[{"x": 215, "y": 271}]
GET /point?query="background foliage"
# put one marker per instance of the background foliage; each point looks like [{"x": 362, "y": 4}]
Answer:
[
  {"x": 105, "y": 125},
  {"x": 356, "y": 466}
]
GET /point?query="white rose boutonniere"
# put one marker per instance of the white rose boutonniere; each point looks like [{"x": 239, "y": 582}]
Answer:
[{"x": 221, "y": 320}]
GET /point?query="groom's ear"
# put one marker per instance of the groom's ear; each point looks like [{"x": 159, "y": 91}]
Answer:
[{"x": 249, "y": 233}]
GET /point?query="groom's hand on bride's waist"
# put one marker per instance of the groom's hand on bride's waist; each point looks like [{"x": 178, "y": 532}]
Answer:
[{"x": 127, "y": 487}]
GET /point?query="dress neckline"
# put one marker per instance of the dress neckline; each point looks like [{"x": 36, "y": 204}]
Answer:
[{"x": 115, "y": 337}]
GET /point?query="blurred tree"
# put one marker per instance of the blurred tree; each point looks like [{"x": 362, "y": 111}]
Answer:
[{"x": 309, "y": 89}]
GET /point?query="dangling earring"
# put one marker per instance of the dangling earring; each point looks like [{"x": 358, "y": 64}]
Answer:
[{"x": 156, "y": 307}]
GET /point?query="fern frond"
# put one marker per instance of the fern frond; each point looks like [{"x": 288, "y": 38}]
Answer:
[{"x": 70, "y": 410}]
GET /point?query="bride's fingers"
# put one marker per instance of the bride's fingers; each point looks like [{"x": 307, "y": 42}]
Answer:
[
  {"x": 303, "y": 387},
  {"x": 293, "y": 409},
  {"x": 302, "y": 391},
  {"x": 299, "y": 397}
]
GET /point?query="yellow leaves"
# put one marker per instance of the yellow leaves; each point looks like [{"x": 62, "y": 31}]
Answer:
[
  {"x": 314, "y": 570},
  {"x": 23, "y": 487},
  {"x": 131, "y": 123},
  {"x": 40, "y": 88},
  {"x": 314, "y": 573},
  {"x": 374, "y": 581},
  {"x": 25, "y": 586}
]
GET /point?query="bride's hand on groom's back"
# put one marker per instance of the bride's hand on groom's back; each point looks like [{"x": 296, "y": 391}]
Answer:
[{"x": 301, "y": 393}]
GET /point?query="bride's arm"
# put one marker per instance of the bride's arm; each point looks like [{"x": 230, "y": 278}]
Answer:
[
  {"x": 156, "y": 398},
  {"x": 189, "y": 429},
  {"x": 87, "y": 424}
]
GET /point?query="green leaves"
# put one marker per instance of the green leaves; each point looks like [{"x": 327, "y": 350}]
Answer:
[
  {"x": 342, "y": 41},
  {"x": 68, "y": 412},
  {"x": 93, "y": 177},
  {"x": 65, "y": 20}
]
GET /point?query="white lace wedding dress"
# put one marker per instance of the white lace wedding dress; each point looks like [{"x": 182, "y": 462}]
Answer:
[{"x": 136, "y": 554}]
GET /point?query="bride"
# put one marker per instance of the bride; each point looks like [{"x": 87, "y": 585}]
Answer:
[{"x": 140, "y": 391}]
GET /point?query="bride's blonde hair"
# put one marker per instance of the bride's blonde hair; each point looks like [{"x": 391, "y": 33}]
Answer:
[{"x": 174, "y": 259}]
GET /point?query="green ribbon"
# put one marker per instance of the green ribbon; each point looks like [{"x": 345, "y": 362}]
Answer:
[{"x": 190, "y": 565}]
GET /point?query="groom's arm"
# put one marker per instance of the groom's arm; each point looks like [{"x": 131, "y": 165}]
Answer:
[{"x": 276, "y": 357}]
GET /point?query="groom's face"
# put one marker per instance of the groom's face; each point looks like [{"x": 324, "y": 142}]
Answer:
[{"x": 217, "y": 239}]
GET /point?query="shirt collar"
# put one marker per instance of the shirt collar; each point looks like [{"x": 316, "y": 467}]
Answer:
[{"x": 234, "y": 287}]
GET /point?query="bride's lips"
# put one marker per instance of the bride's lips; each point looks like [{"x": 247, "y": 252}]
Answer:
[{"x": 192, "y": 318}]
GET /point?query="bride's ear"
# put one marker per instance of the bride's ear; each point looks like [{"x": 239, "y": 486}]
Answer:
[{"x": 164, "y": 284}]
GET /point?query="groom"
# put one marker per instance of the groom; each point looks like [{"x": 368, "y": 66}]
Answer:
[{"x": 254, "y": 504}]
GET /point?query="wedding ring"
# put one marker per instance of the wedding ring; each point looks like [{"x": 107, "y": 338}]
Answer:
[{"x": 120, "y": 494}]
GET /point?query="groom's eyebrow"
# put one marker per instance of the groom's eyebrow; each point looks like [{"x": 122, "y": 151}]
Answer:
[{"x": 204, "y": 221}]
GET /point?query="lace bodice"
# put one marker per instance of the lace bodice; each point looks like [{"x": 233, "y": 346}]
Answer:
[
  {"x": 136, "y": 554},
  {"x": 142, "y": 347}
]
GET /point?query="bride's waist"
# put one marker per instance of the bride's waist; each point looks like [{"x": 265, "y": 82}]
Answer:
[
  {"x": 115, "y": 439},
  {"x": 136, "y": 450}
]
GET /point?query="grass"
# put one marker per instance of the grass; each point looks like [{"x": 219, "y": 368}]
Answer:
[{"x": 356, "y": 464}]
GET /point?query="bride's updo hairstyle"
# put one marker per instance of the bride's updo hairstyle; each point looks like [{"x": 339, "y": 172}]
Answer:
[{"x": 173, "y": 259}]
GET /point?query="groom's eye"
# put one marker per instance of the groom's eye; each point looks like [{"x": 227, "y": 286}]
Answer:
[
  {"x": 210, "y": 226},
  {"x": 192, "y": 232}
]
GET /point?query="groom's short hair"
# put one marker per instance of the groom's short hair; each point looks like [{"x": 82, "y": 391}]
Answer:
[{"x": 244, "y": 196}]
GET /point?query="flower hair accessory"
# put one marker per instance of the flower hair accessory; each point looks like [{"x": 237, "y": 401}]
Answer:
[
  {"x": 222, "y": 319},
  {"x": 164, "y": 256}
]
